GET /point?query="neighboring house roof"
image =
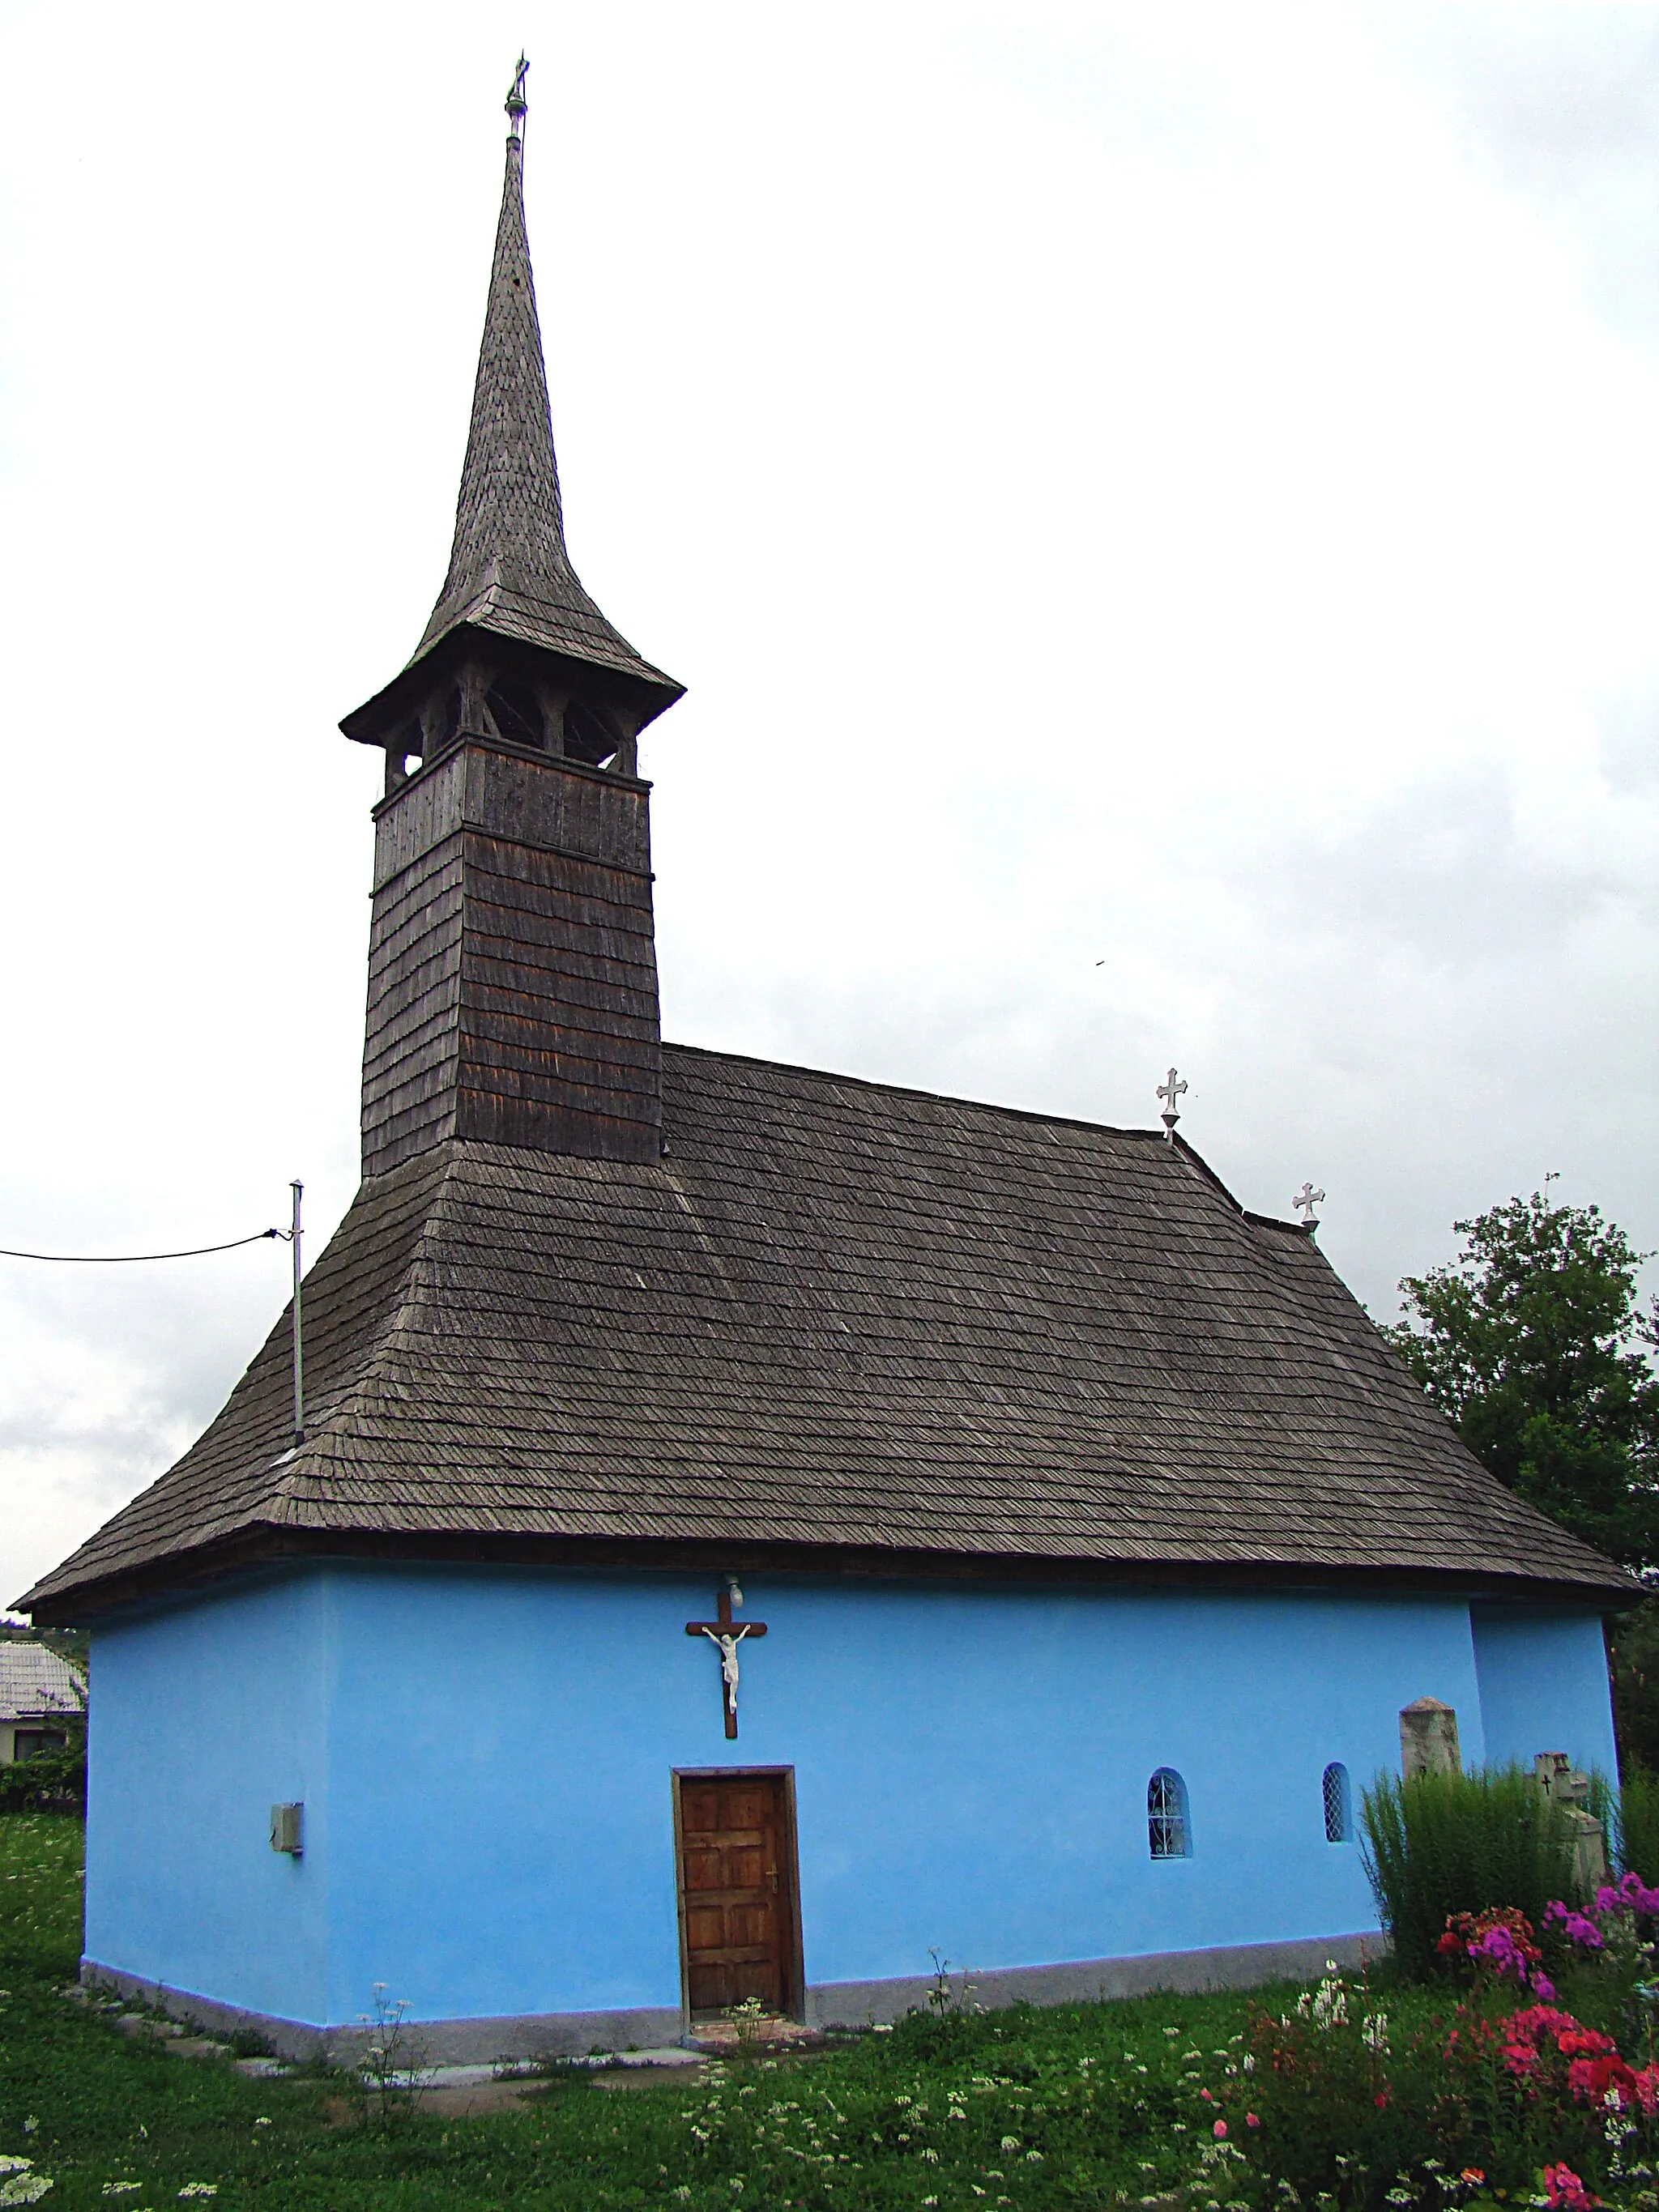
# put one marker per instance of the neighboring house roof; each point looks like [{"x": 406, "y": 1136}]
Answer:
[
  {"x": 838, "y": 1324},
  {"x": 35, "y": 1684}
]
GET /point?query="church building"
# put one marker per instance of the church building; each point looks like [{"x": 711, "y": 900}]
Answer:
[{"x": 752, "y": 1527}]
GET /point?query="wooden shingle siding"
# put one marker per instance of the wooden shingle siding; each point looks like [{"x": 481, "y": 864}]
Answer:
[{"x": 513, "y": 972}]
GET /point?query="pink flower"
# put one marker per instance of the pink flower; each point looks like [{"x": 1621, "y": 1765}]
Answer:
[
  {"x": 1220, "y": 2129},
  {"x": 1207, "y": 2098},
  {"x": 1563, "y": 2187},
  {"x": 1251, "y": 2121}
]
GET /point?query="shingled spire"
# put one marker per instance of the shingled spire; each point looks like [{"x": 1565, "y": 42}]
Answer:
[
  {"x": 513, "y": 983},
  {"x": 510, "y": 583}
]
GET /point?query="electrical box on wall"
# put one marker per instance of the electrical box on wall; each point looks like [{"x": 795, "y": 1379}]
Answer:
[{"x": 285, "y": 1829}]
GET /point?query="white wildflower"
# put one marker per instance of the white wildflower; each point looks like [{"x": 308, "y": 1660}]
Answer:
[
  {"x": 25, "y": 2189},
  {"x": 1009, "y": 2142},
  {"x": 198, "y": 2188}
]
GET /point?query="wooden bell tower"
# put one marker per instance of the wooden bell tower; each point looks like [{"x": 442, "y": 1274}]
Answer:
[{"x": 513, "y": 978}]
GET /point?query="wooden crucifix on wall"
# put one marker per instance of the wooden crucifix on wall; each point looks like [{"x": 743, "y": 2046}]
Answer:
[{"x": 725, "y": 1634}]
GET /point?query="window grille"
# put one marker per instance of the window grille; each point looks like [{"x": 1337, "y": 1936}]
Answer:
[
  {"x": 1166, "y": 1815},
  {"x": 1338, "y": 1825}
]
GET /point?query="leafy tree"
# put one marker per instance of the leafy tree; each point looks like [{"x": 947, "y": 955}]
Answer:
[
  {"x": 1533, "y": 1340},
  {"x": 1634, "y": 1652}
]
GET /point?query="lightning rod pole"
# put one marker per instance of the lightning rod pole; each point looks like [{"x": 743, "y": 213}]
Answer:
[{"x": 299, "y": 1341}]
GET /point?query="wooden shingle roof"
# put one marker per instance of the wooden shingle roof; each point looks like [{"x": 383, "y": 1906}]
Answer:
[{"x": 837, "y": 1324}]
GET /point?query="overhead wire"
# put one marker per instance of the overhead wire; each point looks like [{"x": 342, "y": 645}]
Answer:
[{"x": 129, "y": 1259}]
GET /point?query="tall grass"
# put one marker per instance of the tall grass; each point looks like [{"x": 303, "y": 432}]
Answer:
[
  {"x": 1636, "y": 1823},
  {"x": 1439, "y": 1844}
]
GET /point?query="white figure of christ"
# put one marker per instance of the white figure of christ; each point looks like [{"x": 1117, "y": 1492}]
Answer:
[{"x": 728, "y": 1647}]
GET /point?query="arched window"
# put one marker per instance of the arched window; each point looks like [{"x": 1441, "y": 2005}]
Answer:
[
  {"x": 1167, "y": 1829},
  {"x": 1339, "y": 1809}
]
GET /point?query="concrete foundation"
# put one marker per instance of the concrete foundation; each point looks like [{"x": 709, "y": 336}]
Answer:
[{"x": 848, "y": 2004}]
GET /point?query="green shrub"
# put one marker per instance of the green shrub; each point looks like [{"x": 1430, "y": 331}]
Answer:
[
  {"x": 1439, "y": 1844},
  {"x": 1636, "y": 1824},
  {"x": 50, "y": 1782}
]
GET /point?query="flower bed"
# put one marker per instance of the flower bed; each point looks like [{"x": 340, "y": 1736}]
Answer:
[{"x": 1489, "y": 2104}]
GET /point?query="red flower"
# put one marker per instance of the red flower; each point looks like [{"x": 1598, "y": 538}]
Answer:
[
  {"x": 1220, "y": 2129},
  {"x": 1592, "y": 2079},
  {"x": 1381, "y": 2099},
  {"x": 1251, "y": 2121}
]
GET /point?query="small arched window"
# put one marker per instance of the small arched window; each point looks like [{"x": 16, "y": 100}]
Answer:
[
  {"x": 1339, "y": 1809},
  {"x": 1169, "y": 1832}
]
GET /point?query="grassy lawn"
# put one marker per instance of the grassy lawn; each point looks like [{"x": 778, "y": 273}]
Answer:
[{"x": 1071, "y": 2107}]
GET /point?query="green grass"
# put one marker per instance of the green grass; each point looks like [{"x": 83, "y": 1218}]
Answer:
[{"x": 1105, "y": 2096}]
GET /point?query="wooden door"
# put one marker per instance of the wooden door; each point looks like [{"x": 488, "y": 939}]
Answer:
[{"x": 738, "y": 1892}]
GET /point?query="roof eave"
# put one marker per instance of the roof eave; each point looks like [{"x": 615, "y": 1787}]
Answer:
[
  {"x": 650, "y": 692},
  {"x": 181, "y": 1573}
]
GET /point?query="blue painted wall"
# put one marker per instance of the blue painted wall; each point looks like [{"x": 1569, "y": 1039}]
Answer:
[
  {"x": 485, "y": 1759},
  {"x": 1544, "y": 1686},
  {"x": 200, "y": 1718}
]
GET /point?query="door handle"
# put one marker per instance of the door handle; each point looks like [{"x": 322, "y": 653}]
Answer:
[{"x": 772, "y": 1876}]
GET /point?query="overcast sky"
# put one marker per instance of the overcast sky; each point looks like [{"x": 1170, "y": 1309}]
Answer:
[{"x": 1155, "y": 509}]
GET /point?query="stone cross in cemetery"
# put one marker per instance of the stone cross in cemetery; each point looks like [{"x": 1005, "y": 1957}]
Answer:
[
  {"x": 724, "y": 1634},
  {"x": 1561, "y": 1782},
  {"x": 1428, "y": 1739}
]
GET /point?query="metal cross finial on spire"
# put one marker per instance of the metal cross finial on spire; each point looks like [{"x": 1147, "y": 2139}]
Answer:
[
  {"x": 1304, "y": 1202},
  {"x": 518, "y": 106},
  {"x": 1172, "y": 1089}
]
